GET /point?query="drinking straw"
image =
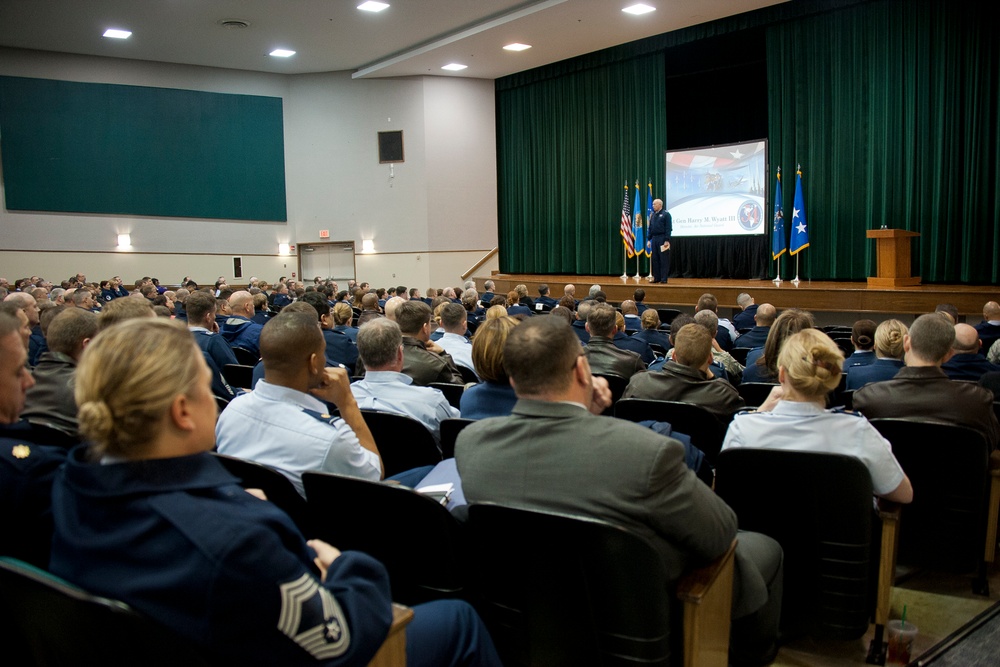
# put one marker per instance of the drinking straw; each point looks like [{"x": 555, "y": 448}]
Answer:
[{"x": 903, "y": 620}]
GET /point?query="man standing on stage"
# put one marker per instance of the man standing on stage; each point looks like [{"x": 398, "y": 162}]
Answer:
[{"x": 660, "y": 228}]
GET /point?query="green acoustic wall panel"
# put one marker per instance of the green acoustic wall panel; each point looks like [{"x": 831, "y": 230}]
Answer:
[{"x": 100, "y": 148}]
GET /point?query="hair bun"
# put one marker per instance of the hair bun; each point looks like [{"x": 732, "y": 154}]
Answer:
[{"x": 96, "y": 420}]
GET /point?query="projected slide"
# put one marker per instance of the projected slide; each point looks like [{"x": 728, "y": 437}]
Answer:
[{"x": 718, "y": 190}]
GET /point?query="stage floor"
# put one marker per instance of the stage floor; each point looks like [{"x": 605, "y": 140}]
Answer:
[{"x": 817, "y": 296}]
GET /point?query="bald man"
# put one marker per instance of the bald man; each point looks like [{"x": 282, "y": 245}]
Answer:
[
  {"x": 661, "y": 227},
  {"x": 763, "y": 318},
  {"x": 989, "y": 328},
  {"x": 967, "y": 361},
  {"x": 239, "y": 329}
]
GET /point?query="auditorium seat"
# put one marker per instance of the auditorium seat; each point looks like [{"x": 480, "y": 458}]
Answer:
[
  {"x": 755, "y": 393},
  {"x": 278, "y": 488},
  {"x": 450, "y": 428},
  {"x": 245, "y": 356},
  {"x": 414, "y": 536},
  {"x": 667, "y": 315},
  {"x": 558, "y": 590},
  {"x": 452, "y": 392},
  {"x": 238, "y": 375},
  {"x": 705, "y": 429},
  {"x": 617, "y": 384},
  {"x": 740, "y": 354},
  {"x": 403, "y": 442},
  {"x": 818, "y": 506}
]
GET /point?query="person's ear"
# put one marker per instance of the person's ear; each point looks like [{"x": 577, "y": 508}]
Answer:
[
  {"x": 906, "y": 342},
  {"x": 781, "y": 374},
  {"x": 180, "y": 413}
]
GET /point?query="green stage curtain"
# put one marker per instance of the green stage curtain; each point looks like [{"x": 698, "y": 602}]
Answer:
[
  {"x": 891, "y": 107},
  {"x": 566, "y": 146}
]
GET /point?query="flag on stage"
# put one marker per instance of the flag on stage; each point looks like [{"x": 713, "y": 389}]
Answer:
[
  {"x": 778, "y": 232},
  {"x": 649, "y": 215},
  {"x": 627, "y": 236},
  {"x": 640, "y": 244},
  {"x": 800, "y": 233}
]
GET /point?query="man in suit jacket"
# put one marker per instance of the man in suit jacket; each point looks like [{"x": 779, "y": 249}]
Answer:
[
  {"x": 554, "y": 454},
  {"x": 604, "y": 356},
  {"x": 661, "y": 226}
]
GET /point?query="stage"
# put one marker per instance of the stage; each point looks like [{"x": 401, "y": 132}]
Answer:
[{"x": 849, "y": 298}]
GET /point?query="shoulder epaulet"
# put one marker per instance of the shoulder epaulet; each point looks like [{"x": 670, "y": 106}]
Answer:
[
  {"x": 324, "y": 417},
  {"x": 844, "y": 411}
]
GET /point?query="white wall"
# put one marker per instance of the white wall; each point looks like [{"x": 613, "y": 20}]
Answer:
[{"x": 442, "y": 198}]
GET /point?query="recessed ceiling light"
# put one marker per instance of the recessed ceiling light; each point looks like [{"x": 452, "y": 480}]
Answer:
[
  {"x": 117, "y": 34},
  {"x": 282, "y": 53},
  {"x": 454, "y": 67},
  {"x": 372, "y": 6},
  {"x": 517, "y": 47},
  {"x": 639, "y": 9}
]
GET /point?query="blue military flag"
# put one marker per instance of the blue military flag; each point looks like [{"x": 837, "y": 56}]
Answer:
[
  {"x": 800, "y": 232},
  {"x": 626, "y": 226},
  {"x": 778, "y": 246},
  {"x": 640, "y": 243},
  {"x": 649, "y": 216}
]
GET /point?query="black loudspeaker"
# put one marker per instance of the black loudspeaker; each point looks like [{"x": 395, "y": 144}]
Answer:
[{"x": 390, "y": 146}]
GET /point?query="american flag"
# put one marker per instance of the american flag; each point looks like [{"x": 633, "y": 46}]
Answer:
[{"x": 626, "y": 230}]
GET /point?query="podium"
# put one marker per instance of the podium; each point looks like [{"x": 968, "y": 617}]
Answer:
[{"x": 893, "y": 246}]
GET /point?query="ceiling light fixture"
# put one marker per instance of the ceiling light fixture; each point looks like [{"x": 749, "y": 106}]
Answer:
[
  {"x": 372, "y": 6},
  {"x": 454, "y": 67},
  {"x": 517, "y": 47},
  {"x": 282, "y": 53},
  {"x": 117, "y": 34},
  {"x": 639, "y": 9},
  {"x": 124, "y": 241}
]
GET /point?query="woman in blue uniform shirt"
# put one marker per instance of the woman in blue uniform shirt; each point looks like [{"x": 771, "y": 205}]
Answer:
[{"x": 146, "y": 515}]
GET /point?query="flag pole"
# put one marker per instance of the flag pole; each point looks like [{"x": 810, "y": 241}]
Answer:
[
  {"x": 648, "y": 244},
  {"x": 624, "y": 276},
  {"x": 796, "y": 281},
  {"x": 777, "y": 267},
  {"x": 638, "y": 209}
]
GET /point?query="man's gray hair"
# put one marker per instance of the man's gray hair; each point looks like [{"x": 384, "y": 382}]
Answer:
[
  {"x": 743, "y": 300},
  {"x": 709, "y": 320},
  {"x": 378, "y": 342}
]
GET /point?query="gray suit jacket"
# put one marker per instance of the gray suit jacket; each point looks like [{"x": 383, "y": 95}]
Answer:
[{"x": 559, "y": 457}]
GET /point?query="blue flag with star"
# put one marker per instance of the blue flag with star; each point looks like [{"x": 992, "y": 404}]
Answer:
[
  {"x": 778, "y": 246},
  {"x": 800, "y": 232}
]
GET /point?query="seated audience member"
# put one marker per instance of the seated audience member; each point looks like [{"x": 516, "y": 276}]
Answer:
[
  {"x": 284, "y": 422},
  {"x": 604, "y": 356},
  {"x": 260, "y": 309},
  {"x": 50, "y": 401},
  {"x": 625, "y": 342},
  {"x": 863, "y": 339},
  {"x": 523, "y": 298},
  {"x": 499, "y": 300},
  {"x": 147, "y": 516},
  {"x": 710, "y": 321},
  {"x": 385, "y": 388},
  {"x": 793, "y": 416},
  {"x": 989, "y": 328},
  {"x": 26, "y": 470},
  {"x": 391, "y": 305},
  {"x": 493, "y": 312},
  {"x": 455, "y": 322},
  {"x": 121, "y": 310},
  {"x": 639, "y": 295},
  {"x": 727, "y": 332},
  {"x": 493, "y": 396},
  {"x": 921, "y": 390},
  {"x": 24, "y": 330},
  {"x": 763, "y": 318},
  {"x": 180, "y": 296},
  {"x": 343, "y": 315},
  {"x": 544, "y": 298},
  {"x": 650, "y": 332},
  {"x": 947, "y": 310},
  {"x": 280, "y": 297},
  {"x": 564, "y": 313},
  {"x": 631, "y": 314},
  {"x": 889, "y": 356},
  {"x": 747, "y": 317},
  {"x": 762, "y": 363},
  {"x": 438, "y": 329},
  {"x": 29, "y": 306},
  {"x": 967, "y": 361},
  {"x": 569, "y": 303},
  {"x": 554, "y": 454},
  {"x": 487, "y": 296},
  {"x": 580, "y": 323},
  {"x": 238, "y": 329},
  {"x": 340, "y": 349},
  {"x": 370, "y": 302},
  {"x": 515, "y": 308},
  {"x": 686, "y": 377},
  {"x": 202, "y": 325},
  {"x": 424, "y": 360}
]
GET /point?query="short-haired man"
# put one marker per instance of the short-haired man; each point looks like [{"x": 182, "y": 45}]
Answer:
[
  {"x": 763, "y": 318},
  {"x": 604, "y": 356},
  {"x": 455, "y": 321},
  {"x": 547, "y": 302},
  {"x": 50, "y": 402},
  {"x": 989, "y": 328},
  {"x": 630, "y": 311},
  {"x": 746, "y": 318},
  {"x": 580, "y": 323},
  {"x": 639, "y": 295},
  {"x": 239, "y": 329},
  {"x": 202, "y": 325},
  {"x": 687, "y": 378},
  {"x": 967, "y": 361},
  {"x": 340, "y": 349},
  {"x": 710, "y": 321},
  {"x": 554, "y": 454},
  {"x": 284, "y": 422},
  {"x": 423, "y": 360},
  {"x": 921, "y": 390},
  {"x": 727, "y": 332},
  {"x": 120, "y": 310},
  {"x": 487, "y": 296},
  {"x": 386, "y": 388}
]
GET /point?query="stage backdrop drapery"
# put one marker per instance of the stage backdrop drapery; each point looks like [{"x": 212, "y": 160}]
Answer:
[{"x": 891, "y": 106}]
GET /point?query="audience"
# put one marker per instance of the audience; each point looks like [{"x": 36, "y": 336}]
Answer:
[
  {"x": 747, "y": 317},
  {"x": 967, "y": 361},
  {"x": 762, "y": 363},
  {"x": 238, "y": 329},
  {"x": 763, "y": 318},
  {"x": 727, "y": 332},
  {"x": 625, "y": 342},
  {"x": 863, "y": 339},
  {"x": 793, "y": 417},
  {"x": 340, "y": 349},
  {"x": 423, "y": 360},
  {"x": 889, "y": 356},
  {"x": 455, "y": 322},
  {"x": 201, "y": 309},
  {"x": 989, "y": 328},
  {"x": 650, "y": 332},
  {"x": 493, "y": 396},
  {"x": 734, "y": 369},
  {"x": 604, "y": 356}
]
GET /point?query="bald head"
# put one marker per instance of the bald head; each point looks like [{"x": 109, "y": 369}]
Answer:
[
  {"x": 765, "y": 315},
  {"x": 991, "y": 311},
  {"x": 391, "y": 305},
  {"x": 966, "y": 340},
  {"x": 26, "y": 303},
  {"x": 242, "y": 303}
]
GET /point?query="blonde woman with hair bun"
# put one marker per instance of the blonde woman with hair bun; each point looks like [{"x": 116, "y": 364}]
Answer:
[
  {"x": 889, "y": 356},
  {"x": 794, "y": 417},
  {"x": 147, "y": 515}
]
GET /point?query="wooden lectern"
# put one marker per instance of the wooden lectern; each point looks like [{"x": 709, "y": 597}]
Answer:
[{"x": 893, "y": 258}]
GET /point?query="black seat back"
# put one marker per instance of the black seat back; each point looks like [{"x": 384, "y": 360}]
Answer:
[
  {"x": 450, "y": 428},
  {"x": 819, "y": 508},
  {"x": 557, "y": 590},
  {"x": 278, "y": 488},
  {"x": 403, "y": 443},
  {"x": 706, "y": 430}
]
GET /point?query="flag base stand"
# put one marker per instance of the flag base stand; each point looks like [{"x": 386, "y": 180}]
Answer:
[
  {"x": 796, "y": 280},
  {"x": 777, "y": 281},
  {"x": 624, "y": 277}
]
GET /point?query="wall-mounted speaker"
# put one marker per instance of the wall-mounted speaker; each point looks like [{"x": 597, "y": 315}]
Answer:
[{"x": 390, "y": 147}]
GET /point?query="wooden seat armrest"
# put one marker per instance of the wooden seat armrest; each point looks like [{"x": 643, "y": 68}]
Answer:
[
  {"x": 888, "y": 510},
  {"x": 889, "y": 514},
  {"x": 392, "y": 653},
  {"x": 695, "y": 584}
]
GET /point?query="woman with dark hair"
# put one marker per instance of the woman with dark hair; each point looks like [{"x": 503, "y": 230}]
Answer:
[{"x": 762, "y": 363}]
